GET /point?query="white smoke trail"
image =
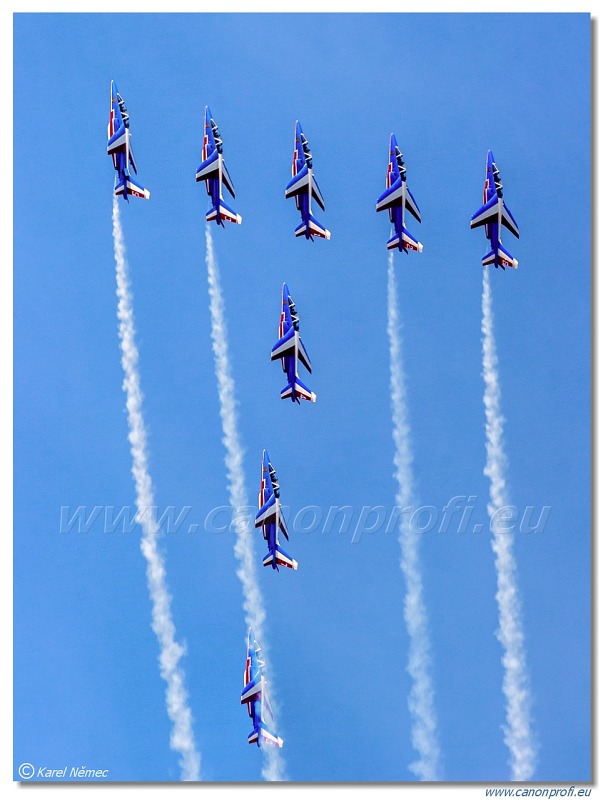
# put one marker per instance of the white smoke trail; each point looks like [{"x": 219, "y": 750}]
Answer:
[
  {"x": 420, "y": 701},
  {"x": 253, "y": 603},
  {"x": 181, "y": 738},
  {"x": 516, "y": 686}
]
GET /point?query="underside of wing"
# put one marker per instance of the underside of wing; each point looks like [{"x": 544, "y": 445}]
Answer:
[
  {"x": 227, "y": 180},
  {"x": 509, "y": 221},
  {"x": 303, "y": 356},
  {"x": 132, "y": 159},
  {"x": 411, "y": 204},
  {"x": 317, "y": 194}
]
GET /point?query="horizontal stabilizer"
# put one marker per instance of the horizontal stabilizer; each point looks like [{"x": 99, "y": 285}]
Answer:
[
  {"x": 223, "y": 212},
  {"x": 128, "y": 186},
  {"x": 279, "y": 558},
  {"x": 266, "y": 736},
  {"x": 501, "y": 258},
  {"x": 297, "y": 390},
  {"x": 270, "y": 737},
  {"x": 312, "y": 228},
  {"x": 505, "y": 258},
  {"x": 405, "y": 242}
]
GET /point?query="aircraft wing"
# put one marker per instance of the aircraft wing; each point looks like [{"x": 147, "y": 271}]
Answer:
[
  {"x": 210, "y": 168},
  {"x": 254, "y": 688},
  {"x": 303, "y": 356},
  {"x": 391, "y": 197},
  {"x": 508, "y": 220},
  {"x": 486, "y": 214},
  {"x": 118, "y": 140},
  {"x": 411, "y": 204},
  {"x": 227, "y": 180},
  {"x": 267, "y": 512},
  {"x": 298, "y": 183},
  {"x": 283, "y": 526},
  {"x": 317, "y": 194},
  {"x": 131, "y": 159},
  {"x": 285, "y": 346}
]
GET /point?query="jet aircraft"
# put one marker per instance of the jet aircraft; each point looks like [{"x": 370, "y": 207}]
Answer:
[
  {"x": 270, "y": 518},
  {"x": 213, "y": 171},
  {"x": 255, "y": 696},
  {"x": 120, "y": 149},
  {"x": 290, "y": 349},
  {"x": 304, "y": 188},
  {"x": 397, "y": 199},
  {"x": 493, "y": 215}
]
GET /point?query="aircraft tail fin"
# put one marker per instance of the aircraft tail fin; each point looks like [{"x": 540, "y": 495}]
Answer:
[
  {"x": 297, "y": 389},
  {"x": 223, "y": 212},
  {"x": 312, "y": 228}
]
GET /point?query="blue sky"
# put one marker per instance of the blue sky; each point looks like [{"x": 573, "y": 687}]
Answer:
[{"x": 87, "y": 689}]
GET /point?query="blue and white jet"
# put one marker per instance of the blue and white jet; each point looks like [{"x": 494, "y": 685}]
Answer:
[
  {"x": 397, "y": 199},
  {"x": 270, "y": 519},
  {"x": 120, "y": 149},
  {"x": 304, "y": 188},
  {"x": 493, "y": 215},
  {"x": 213, "y": 171},
  {"x": 290, "y": 349},
  {"x": 255, "y": 696}
]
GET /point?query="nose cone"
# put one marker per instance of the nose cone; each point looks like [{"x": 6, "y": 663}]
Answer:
[
  {"x": 285, "y": 293},
  {"x": 207, "y": 115},
  {"x": 392, "y": 142},
  {"x": 490, "y": 159},
  {"x": 298, "y": 130},
  {"x": 265, "y": 460},
  {"x": 249, "y": 638},
  {"x": 113, "y": 92}
]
